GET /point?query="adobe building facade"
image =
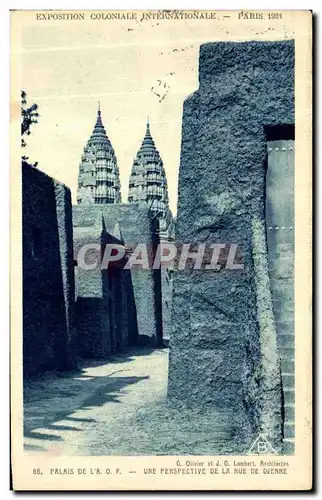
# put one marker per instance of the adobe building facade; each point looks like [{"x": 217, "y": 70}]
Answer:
[
  {"x": 232, "y": 340},
  {"x": 70, "y": 310},
  {"x": 116, "y": 307},
  {"x": 49, "y": 333}
]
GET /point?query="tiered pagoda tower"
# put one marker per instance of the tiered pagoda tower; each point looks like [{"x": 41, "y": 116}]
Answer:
[
  {"x": 98, "y": 179},
  {"x": 148, "y": 182}
]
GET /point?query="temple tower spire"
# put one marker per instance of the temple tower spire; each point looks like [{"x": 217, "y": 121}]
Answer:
[
  {"x": 98, "y": 179},
  {"x": 148, "y": 182}
]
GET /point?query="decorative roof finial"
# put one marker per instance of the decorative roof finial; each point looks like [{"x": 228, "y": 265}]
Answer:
[
  {"x": 99, "y": 108},
  {"x": 148, "y": 126}
]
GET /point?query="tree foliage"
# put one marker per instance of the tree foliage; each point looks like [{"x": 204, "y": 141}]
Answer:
[{"x": 29, "y": 116}]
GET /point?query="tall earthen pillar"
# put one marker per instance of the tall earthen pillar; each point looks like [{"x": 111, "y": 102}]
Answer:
[{"x": 223, "y": 348}]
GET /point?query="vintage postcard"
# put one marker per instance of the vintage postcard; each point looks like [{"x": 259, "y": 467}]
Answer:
[{"x": 161, "y": 215}]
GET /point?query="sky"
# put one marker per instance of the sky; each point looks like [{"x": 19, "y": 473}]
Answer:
[{"x": 134, "y": 68}]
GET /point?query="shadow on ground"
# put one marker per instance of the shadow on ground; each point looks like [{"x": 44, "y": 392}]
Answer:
[
  {"x": 103, "y": 409},
  {"x": 54, "y": 397},
  {"x": 124, "y": 357}
]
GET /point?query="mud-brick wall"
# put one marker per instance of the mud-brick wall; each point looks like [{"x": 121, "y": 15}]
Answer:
[
  {"x": 136, "y": 227},
  {"x": 49, "y": 340},
  {"x": 166, "y": 287},
  {"x": 139, "y": 304},
  {"x": 91, "y": 287},
  {"x": 223, "y": 349}
]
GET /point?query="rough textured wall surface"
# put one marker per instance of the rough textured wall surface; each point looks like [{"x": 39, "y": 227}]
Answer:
[
  {"x": 92, "y": 315},
  {"x": 139, "y": 309},
  {"x": 49, "y": 340},
  {"x": 166, "y": 287},
  {"x": 223, "y": 344}
]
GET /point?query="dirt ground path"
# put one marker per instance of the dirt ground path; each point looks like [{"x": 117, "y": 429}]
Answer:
[
  {"x": 65, "y": 413},
  {"x": 118, "y": 408}
]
